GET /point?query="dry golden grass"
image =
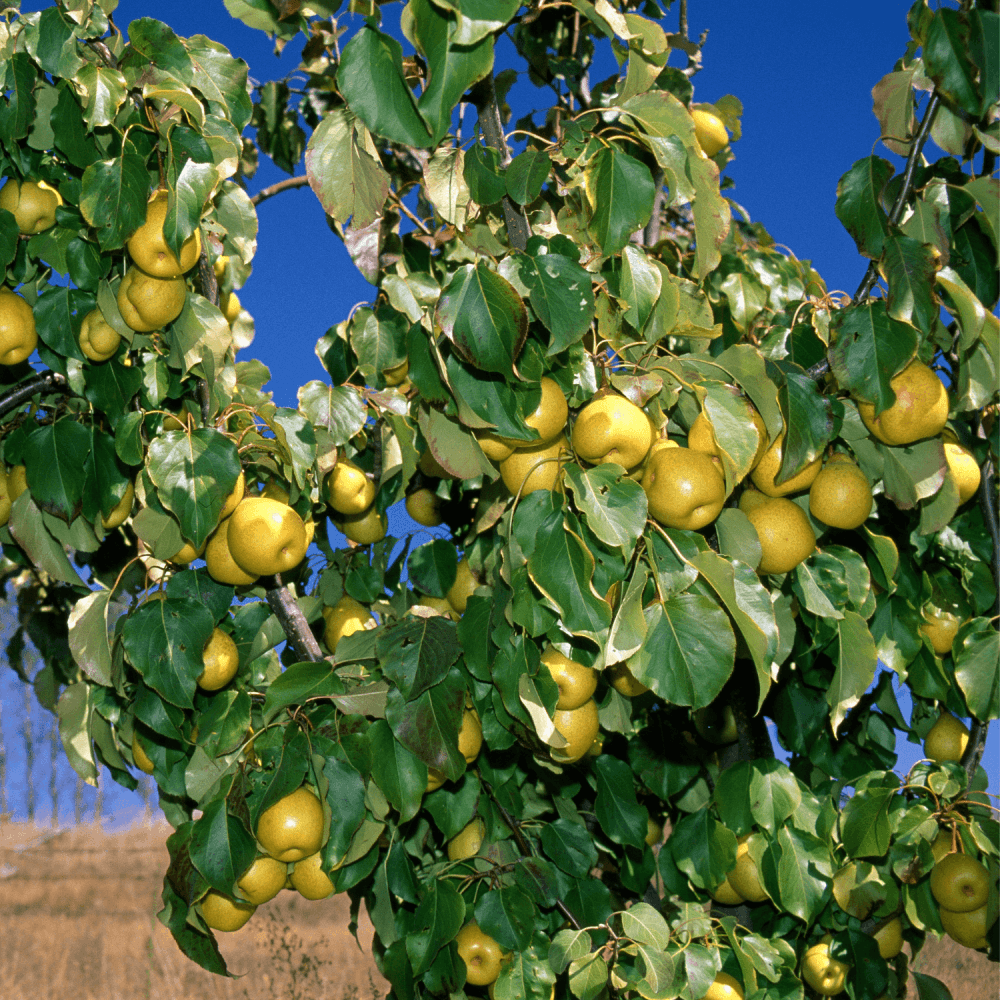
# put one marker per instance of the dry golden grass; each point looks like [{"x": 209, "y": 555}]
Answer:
[{"x": 78, "y": 919}]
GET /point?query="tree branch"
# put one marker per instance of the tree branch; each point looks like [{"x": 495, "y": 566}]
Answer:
[
  {"x": 46, "y": 383},
  {"x": 484, "y": 96},
  {"x": 210, "y": 290},
  {"x": 285, "y": 185},
  {"x": 289, "y": 615}
]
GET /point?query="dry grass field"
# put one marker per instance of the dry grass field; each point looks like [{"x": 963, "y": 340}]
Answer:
[{"x": 78, "y": 919}]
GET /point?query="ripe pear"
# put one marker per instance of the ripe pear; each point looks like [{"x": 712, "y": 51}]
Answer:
[
  {"x": 744, "y": 877},
  {"x": 685, "y": 488},
  {"x": 470, "y": 735},
  {"x": 309, "y": 879},
  {"x": 480, "y": 953},
  {"x": 148, "y": 247},
  {"x": 612, "y": 429},
  {"x": 17, "y": 481},
  {"x": 940, "y": 627},
  {"x": 231, "y": 307},
  {"x": 709, "y": 131},
  {"x": 548, "y": 418},
  {"x": 968, "y": 928},
  {"x": 964, "y": 469},
  {"x": 140, "y": 757},
  {"x": 121, "y": 510},
  {"x": 148, "y": 303},
  {"x": 464, "y": 586},
  {"x": 890, "y": 939},
  {"x": 580, "y": 727},
  {"x": 494, "y": 448},
  {"x": 724, "y": 987},
  {"x": 265, "y": 537},
  {"x": 18, "y": 336},
  {"x": 292, "y": 828},
  {"x": 219, "y": 560},
  {"x": 424, "y": 507},
  {"x": 576, "y": 682},
  {"x": 767, "y": 468},
  {"x": 186, "y": 554},
  {"x": 726, "y": 894},
  {"x": 920, "y": 410},
  {"x": 263, "y": 880},
  {"x": 960, "y": 883},
  {"x": 346, "y": 617},
  {"x": 396, "y": 375},
  {"x": 221, "y": 659},
  {"x": 466, "y": 843},
  {"x": 32, "y": 203},
  {"x": 841, "y": 495},
  {"x": 786, "y": 536},
  {"x": 535, "y": 468},
  {"x": 348, "y": 489},
  {"x": 826, "y": 975},
  {"x": 234, "y": 498},
  {"x": 5, "y": 501},
  {"x": 947, "y": 739},
  {"x": 98, "y": 338},
  {"x": 365, "y": 528},
  {"x": 624, "y": 682},
  {"x": 701, "y": 435},
  {"x": 224, "y": 914}
]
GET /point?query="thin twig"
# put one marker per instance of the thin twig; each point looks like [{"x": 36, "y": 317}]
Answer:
[
  {"x": 44, "y": 384},
  {"x": 291, "y": 619},
  {"x": 285, "y": 185}
]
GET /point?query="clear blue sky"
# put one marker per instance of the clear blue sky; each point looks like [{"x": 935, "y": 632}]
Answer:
[{"x": 804, "y": 73}]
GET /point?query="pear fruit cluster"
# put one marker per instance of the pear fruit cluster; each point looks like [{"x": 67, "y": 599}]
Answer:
[
  {"x": 961, "y": 887},
  {"x": 351, "y": 496}
]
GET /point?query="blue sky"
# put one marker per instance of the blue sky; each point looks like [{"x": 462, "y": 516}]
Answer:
[{"x": 804, "y": 73}]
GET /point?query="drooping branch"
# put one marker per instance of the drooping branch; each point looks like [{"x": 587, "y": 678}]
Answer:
[
  {"x": 485, "y": 98},
  {"x": 291, "y": 619},
  {"x": 45, "y": 384},
  {"x": 287, "y": 184}
]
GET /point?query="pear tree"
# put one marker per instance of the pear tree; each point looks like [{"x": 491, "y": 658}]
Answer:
[{"x": 685, "y": 497}]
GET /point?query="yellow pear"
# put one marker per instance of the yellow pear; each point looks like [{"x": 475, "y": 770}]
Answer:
[
  {"x": 960, "y": 883},
  {"x": 346, "y": 617},
  {"x": 147, "y": 303},
  {"x": 232, "y": 501},
  {"x": 219, "y": 560},
  {"x": 148, "y": 247},
  {"x": 767, "y": 468},
  {"x": 219, "y": 265},
  {"x": 186, "y": 554},
  {"x": 470, "y": 735},
  {"x": 786, "y": 536},
  {"x": 624, "y": 682},
  {"x": 140, "y": 756},
  {"x": 481, "y": 954},
  {"x": 430, "y": 466},
  {"x": 724, "y": 987},
  {"x": 309, "y": 879},
  {"x": 940, "y": 627},
  {"x": 537, "y": 468},
  {"x": 18, "y": 336},
  {"x": 229, "y": 303},
  {"x": 841, "y": 495},
  {"x": 224, "y": 914},
  {"x": 396, "y": 375},
  {"x": 920, "y": 409},
  {"x": 221, "y": 659},
  {"x": 466, "y": 843},
  {"x": 709, "y": 131},
  {"x": 968, "y": 928},
  {"x": 464, "y": 586},
  {"x": 612, "y": 429},
  {"x": 494, "y": 448},
  {"x": 32, "y": 203},
  {"x": 964, "y": 470},
  {"x": 947, "y": 739},
  {"x": 580, "y": 727},
  {"x": 890, "y": 939},
  {"x": 744, "y": 877},
  {"x": 365, "y": 528},
  {"x": 98, "y": 338},
  {"x": 435, "y": 779},
  {"x": 348, "y": 489},
  {"x": 726, "y": 894},
  {"x": 5, "y": 501},
  {"x": 548, "y": 418},
  {"x": 685, "y": 488},
  {"x": 423, "y": 506},
  {"x": 576, "y": 682},
  {"x": 121, "y": 510},
  {"x": 292, "y": 828},
  {"x": 266, "y": 536},
  {"x": 701, "y": 435},
  {"x": 826, "y": 975},
  {"x": 263, "y": 880}
]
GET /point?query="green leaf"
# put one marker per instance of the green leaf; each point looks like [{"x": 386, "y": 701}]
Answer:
[
  {"x": 453, "y": 810},
  {"x": 914, "y": 472},
  {"x": 689, "y": 651},
  {"x": 484, "y": 174},
  {"x": 75, "y": 709},
  {"x": 28, "y": 529},
  {"x": 432, "y": 567},
  {"x": 620, "y": 190},
  {"x": 401, "y": 776},
  {"x": 909, "y": 268},
  {"x": 54, "y": 460},
  {"x": 299, "y": 682},
  {"x": 569, "y": 846},
  {"x": 198, "y": 946},
  {"x": 194, "y": 474},
  {"x": 339, "y": 410},
  {"x": 508, "y": 916},
  {"x": 560, "y": 292},
  {"x": 370, "y": 77},
  {"x": 111, "y": 387},
  {"x": 164, "y": 642},
  {"x": 801, "y": 864},
  {"x": 614, "y": 507},
  {"x": 526, "y": 175},
  {"x": 87, "y": 627},
  {"x": 761, "y": 791},
  {"x": 644, "y": 924},
  {"x": 947, "y": 62},
  {"x": 113, "y": 196},
  {"x": 58, "y": 314},
  {"x": 929, "y": 987},
  {"x": 346, "y": 797},
  {"x": 621, "y": 817},
  {"x": 865, "y": 823},
  {"x": 103, "y": 90},
  {"x": 437, "y": 920},
  {"x": 345, "y": 171},
  {"x": 484, "y": 317},
  {"x": 479, "y": 18},
  {"x": 977, "y": 667},
  {"x": 452, "y": 66},
  {"x": 859, "y": 204},
  {"x": 808, "y": 419},
  {"x": 428, "y": 725},
  {"x": 568, "y": 946},
  {"x": 221, "y": 846},
  {"x": 18, "y": 110},
  {"x": 857, "y": 659},
  {"x": 416, "y": 653},
  {"x": 703, "y": 848},
  {"x": 588, "y": 976}
]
